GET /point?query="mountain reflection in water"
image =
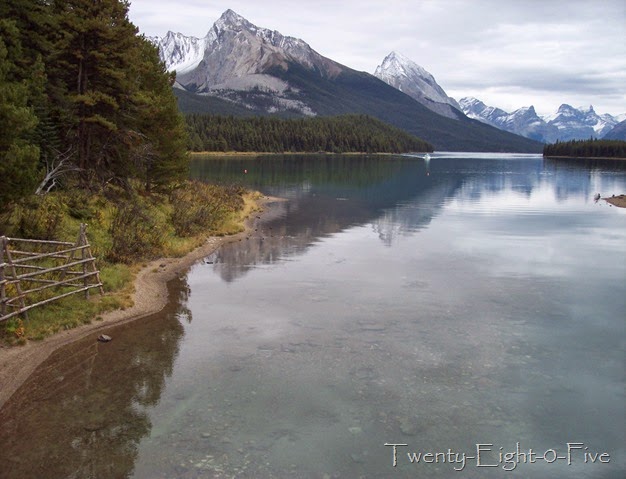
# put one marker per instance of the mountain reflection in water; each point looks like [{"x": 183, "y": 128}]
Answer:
[{"x": 471, "y": 299}]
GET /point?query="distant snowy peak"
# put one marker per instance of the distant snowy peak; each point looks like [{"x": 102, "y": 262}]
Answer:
[
  {"x": 407, "y": 76},
  {"x": 179, "y": 52},
  {"x": 477, "y": 110},
  {"x": 567, "y": 123},
  {"x": 396, "y": 65},
  {"x": 524, "y": 121},
  {"x": 581, "y": 121},
  {"x": 564, "y": 111}
]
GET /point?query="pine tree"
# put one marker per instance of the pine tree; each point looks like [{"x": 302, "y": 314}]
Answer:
[
  {"x": 19, "y": 157},
  {"x": 94, "y": 56},
  {"x": 161, "y": 154}
]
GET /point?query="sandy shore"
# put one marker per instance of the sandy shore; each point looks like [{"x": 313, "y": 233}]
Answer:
[
  {"x": 17, "y": 363},
  {"x": 619, "y": 200}
]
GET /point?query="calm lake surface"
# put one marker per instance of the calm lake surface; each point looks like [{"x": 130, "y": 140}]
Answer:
[{"x": 472, "y": 305}]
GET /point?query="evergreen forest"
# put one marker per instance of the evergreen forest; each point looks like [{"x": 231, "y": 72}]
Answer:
[
  {"x": 338, "y": 134},
  {"x": 591, "y": 148},
  {"x": 84, "y": 100}
]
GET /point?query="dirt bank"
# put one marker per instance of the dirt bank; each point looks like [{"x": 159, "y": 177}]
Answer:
[{"x": 616, "y": 200}]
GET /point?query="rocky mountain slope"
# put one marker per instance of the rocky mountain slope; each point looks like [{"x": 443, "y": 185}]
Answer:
[{"x": 251, "y": 70}]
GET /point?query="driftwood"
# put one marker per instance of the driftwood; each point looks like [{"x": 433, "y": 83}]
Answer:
[{"x": 79, "y": 266}]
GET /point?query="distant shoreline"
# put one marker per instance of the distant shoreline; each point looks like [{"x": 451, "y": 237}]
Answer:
[
  {"x": 274, "y": 153},
  {"x": 585, "y": 158}
]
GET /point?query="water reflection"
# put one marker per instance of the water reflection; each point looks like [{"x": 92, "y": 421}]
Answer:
[
  {"x": 82, "y": 414},
  {"x": 397, "y": 195},
  {"x": 479, "y": 303}
]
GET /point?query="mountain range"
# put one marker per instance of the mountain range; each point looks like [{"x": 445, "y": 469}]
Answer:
[
  {"x": 568, "y": 123},
  {"x": 241, "y": 69}
]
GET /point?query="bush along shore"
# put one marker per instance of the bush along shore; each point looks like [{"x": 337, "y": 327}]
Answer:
[{"x": 126, "y": 229}]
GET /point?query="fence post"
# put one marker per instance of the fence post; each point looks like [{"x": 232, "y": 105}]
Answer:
[
  {"x": 93, "y": 263},
  {"x": 3, "y": 292},
  {"x": 82, "y": 240},
  {"x": 18, "y": 288}
]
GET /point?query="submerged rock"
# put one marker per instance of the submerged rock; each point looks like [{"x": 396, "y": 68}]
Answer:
[{"x": 409, "y": 426}]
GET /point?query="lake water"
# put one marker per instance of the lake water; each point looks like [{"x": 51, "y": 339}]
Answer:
[{"x": 472, "y": 307}]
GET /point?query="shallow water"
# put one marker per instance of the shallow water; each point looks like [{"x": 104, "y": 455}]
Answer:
[{"x": 471, "y": 300}]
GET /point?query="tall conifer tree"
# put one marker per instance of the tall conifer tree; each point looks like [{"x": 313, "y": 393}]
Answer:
[
  {"x": 19, "y": 156},
  {"x": 161, "y": 153},
  {"x": 94, "y": 58}
]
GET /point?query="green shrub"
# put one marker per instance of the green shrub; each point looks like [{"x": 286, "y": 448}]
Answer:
[
  {"x": 201, "y": 207},
  {"x": 79, "y": 205},
  {"x": 39, "y": 217},
  {"x": 135, "y": 232}
]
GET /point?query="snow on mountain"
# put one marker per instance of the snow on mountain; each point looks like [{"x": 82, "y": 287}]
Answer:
[
  {"x": 580, "y": 123},
  {"x": 477, "y": 110},
  {"x": 618, "y": 132},
  {"x": 233, "y": 49},
  {"x": 240, "y": 62},
  {"x": 407, "y": 76},
  {"x": 179, "y": 52},
  {"x": 567, "y": 123},
  {"x": 233, "y": 59}
]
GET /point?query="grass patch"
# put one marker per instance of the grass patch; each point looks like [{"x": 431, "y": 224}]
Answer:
[{"x": 125, "y": 229}]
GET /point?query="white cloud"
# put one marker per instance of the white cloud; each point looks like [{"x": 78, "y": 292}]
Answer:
[{"x": 541, "y": 52}]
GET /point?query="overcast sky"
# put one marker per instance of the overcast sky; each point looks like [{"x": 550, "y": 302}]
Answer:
[{"x": 507, "y": 53}]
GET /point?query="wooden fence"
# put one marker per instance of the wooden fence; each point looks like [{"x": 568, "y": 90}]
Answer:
[{"x": 69, "y": 268}]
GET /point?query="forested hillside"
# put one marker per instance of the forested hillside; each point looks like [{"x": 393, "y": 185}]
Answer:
[
  {"x": 84, "y": 99},
  {"x": 340, "y": 134},
  {"x": 587, "y": 149}
]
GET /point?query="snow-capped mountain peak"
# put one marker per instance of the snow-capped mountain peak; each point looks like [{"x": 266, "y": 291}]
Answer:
[
  {"x": 396, "y": 65},
  {"x": 407, "y": 76},
  {"x": 180, "y": 52},
  {"x": 230, "y": 19},
  {"x": 477, "y": 110},
  {"x": 233, "y": 22},
  {"x": 581, "y": 122},
  {"x": 585, "y": 109}
]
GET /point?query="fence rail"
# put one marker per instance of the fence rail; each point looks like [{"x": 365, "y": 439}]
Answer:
[{"x": 18, "y": 278}]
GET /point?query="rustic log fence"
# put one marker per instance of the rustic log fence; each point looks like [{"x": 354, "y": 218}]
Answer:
[{"x": 52, "y": 264}]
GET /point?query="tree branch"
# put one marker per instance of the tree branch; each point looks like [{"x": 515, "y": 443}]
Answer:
[{"x": 56, "y": 168}]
